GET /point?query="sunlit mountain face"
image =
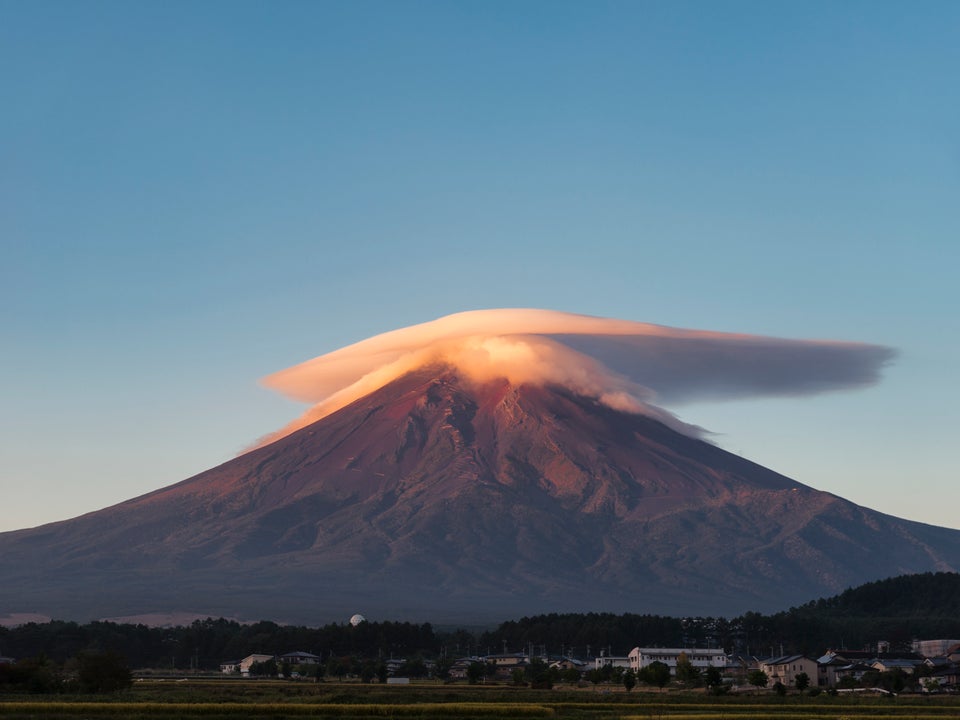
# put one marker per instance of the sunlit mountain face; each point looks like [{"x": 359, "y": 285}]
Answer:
[{"x": 445, "y": 496}]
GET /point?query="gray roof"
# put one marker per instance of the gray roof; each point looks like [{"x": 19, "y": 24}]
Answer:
[{"x": 785, "y": 659}]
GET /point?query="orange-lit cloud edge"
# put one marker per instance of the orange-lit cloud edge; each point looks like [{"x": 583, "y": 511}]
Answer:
[{"x": 628, "y": 365}]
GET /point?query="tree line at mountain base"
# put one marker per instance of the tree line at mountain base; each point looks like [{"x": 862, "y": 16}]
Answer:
[
  {"x": 897, "y": 611},
  {"x": 87, "y": 673}
]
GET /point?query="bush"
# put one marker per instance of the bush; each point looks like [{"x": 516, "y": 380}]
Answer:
[
  {"x": 757, "y": 678},
  {"x": 103, "y": 672},
  {"x": 475, "y": 672},
  {"x": 33, "y": 675},
  {"x": 656, "y": 673}
]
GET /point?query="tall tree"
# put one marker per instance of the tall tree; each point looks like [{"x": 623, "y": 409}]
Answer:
[
  {"x": 656, "y": 673},
  {"x": 686, "y": 672},
  {"x": 758, "y": 678},
  {"x": 713, "y": 676}
]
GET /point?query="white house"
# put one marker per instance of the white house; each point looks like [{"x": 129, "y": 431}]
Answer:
[
  {"x": 699, "y": 657},
  {"x": 249, "y": 660}
]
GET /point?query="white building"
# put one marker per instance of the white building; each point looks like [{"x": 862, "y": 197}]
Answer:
[
  {"x": 613, "y": 660},
  {"x": 699, "y": 657},
  {"x": 933, "y": 648}
]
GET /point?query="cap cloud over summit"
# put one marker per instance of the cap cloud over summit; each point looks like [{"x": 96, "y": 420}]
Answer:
[{"x": 627, "y": 365}]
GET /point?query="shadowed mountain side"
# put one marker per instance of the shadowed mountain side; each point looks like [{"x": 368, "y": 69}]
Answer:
[{"x": 438, "y": 500}]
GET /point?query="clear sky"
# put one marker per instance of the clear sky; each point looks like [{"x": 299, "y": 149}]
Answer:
[{"x": 194, "y": 195}]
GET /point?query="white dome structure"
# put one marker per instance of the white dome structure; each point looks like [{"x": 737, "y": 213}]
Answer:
[{"x": 357, "y": 619}]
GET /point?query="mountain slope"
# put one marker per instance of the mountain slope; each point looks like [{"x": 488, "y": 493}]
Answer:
[{"x": 437, "y": 499}]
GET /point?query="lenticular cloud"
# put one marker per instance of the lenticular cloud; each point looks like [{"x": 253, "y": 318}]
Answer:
[{"x": 627, "y": 365}]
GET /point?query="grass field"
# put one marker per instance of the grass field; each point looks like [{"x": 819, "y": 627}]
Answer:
[{"x": 166, "y": 700}]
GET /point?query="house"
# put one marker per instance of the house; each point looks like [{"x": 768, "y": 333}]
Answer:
[
  {"x": 393, "y": 664},
  {"x": 738, "y": 666},
  {"x": 785, "y": 669},
  {"x": 945, "y": 677},
  {"x": 250, "y": 660},
  {"x": 568, "y": 663},
  {"x": 936, "y": 663},
  {"x": 699, "y": 657},
  {"x": 904, "y": 665},
  {"x": 869, "y": 656},
  {"x": 506, "y": 663},
  {"x": 832, "y": 668},
  {"x": 838, "y": 664},
  {"x": 230, "y": 667},
  {"x": 827, "y": 668},
  {"x": 856, "y": 671},
  {"x": 461, "y": 666},
  {"x": 299, "y": 658},
  {"x": 617, "y": 661},
  {"x": 509, "y": 660}
]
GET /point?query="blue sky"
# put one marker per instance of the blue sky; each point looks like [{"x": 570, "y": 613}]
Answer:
[{"x": 195, "y": 195}]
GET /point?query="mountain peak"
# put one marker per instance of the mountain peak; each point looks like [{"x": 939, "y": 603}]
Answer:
[{"x": 441, "y": 497}]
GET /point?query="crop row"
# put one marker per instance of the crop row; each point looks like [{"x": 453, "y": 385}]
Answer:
[
  {"x": 248, "y": 710},
  {"x": 820, "y": 714}
]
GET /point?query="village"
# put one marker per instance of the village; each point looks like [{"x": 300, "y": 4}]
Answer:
[{"x": 931, "y": 666}]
